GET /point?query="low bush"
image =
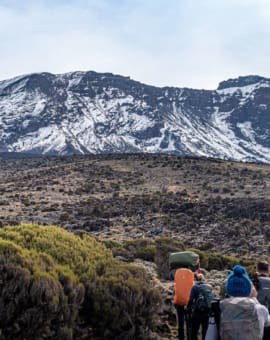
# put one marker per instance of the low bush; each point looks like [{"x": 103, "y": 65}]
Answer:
[
  {"x": 153, "y": 250},
  {"x": 158, "y": 251},
  {"x": 142, "y": 248},
  {"x": 58, "y": 285},
  {"x": 38, "y": 299},
  {"x": 216, "y": 261},
  {"x": 122, "y": 294}
]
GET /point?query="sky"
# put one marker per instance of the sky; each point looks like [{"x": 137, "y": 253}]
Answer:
[{"x": 183, "y": 43}]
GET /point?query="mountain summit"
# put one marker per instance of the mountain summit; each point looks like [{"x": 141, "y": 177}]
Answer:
[{"x": 89, "y": 112}]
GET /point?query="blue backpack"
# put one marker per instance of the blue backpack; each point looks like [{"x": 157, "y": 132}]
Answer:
[{"x": 204, "y": 299}]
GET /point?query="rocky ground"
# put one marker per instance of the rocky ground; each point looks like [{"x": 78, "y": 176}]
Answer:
[{"x": 208, "y": 204}]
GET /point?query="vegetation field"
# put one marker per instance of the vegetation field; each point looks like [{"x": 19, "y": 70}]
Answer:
[
  {"x": 85, "y": 240},
  {"x": 211, "y": 205}
]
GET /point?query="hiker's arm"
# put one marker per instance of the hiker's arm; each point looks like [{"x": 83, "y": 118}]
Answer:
[
  {"x": 171, "y": 275},
  {"x": 191, "y": 297},
  {"x": 267, "y": 322},
  {"x": 263, "y": 315}
]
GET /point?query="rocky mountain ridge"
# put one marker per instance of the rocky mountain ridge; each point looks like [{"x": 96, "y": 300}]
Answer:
[{"x": 91, "y": 113}]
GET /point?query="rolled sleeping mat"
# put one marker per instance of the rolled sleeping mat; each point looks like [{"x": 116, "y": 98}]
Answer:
[{"x": 183, "y": 259}]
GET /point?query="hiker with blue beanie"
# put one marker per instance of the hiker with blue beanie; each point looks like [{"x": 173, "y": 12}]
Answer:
[
  {"x": 242, "y": 316},
  {"x": 238, "y": 282}
]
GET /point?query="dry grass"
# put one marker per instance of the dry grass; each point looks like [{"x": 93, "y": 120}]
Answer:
[{"x": 218, "y": 205}]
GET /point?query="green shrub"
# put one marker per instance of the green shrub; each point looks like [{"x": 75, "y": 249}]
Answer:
[
  {"x": 38, "y": 299},
  {"x": 112, "y": 244},
  {"x": 147, "y": 253},
  {"x": 58, "y": 285},
  {"x": 81, "y": 255},
  {"x": 142, "y": 248},
  {"x": 122, "y": 294},
  {"x": 217, "y": 261}
]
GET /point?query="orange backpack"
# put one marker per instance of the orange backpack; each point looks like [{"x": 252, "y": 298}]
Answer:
[{"x": 184, "y": 280}]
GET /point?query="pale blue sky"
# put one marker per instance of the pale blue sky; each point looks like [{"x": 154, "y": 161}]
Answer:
[{"x": 191, "y": 43}]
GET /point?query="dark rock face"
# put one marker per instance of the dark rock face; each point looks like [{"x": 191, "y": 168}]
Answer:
[
  {"x": 89, "y": 112},
  {"x": 241, "y": 81}
]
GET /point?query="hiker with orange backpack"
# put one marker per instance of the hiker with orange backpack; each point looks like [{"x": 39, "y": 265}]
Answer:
[{"x": 183, "y": 282}]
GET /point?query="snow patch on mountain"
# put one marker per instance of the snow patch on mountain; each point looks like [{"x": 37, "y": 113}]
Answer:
[
  {"x": 247, "y": 131},
  {"x": 88, "y": 112}
]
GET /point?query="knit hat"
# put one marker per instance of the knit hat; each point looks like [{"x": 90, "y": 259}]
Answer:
[{"x": 238, "y": 282}]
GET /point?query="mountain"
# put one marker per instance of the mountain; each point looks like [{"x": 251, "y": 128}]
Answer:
[{"x": 89, "y": 112}]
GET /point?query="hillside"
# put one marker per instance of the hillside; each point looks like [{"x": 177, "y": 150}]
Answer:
[
  {"x": 97, "y": 113},
  {"x": 207, "y": 204}
]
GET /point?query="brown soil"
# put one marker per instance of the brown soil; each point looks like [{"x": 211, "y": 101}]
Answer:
[{"x": 208, "y": 204}]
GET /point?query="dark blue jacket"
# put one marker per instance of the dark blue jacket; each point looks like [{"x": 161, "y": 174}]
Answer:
[{"x": 194, "y": 293}]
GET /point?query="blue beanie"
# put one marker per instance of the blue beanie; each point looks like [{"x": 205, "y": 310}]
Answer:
[{"x": 238, "y": 282}]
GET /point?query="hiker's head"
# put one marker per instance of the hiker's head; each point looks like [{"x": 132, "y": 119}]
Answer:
[
  {"x": 200, "y": 277},
  {"x": 238, "y": 282},
  {"x": 263, "y": 267}
]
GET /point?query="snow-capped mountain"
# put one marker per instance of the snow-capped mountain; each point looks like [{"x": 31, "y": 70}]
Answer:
[{"x": 89, "y": 112}]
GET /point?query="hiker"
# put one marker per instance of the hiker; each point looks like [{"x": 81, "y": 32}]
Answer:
[
  {"x": 242, "y": 316},
  {"x": 200, "y": 305},
  {"x": 262, "y": 283},
  {"x": 153, "y": 231},
  {"x": 184, "y": 280},
  {"x": 182, "y": 264}
]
